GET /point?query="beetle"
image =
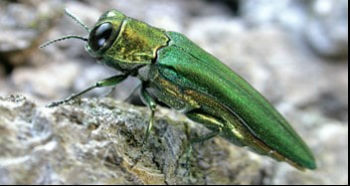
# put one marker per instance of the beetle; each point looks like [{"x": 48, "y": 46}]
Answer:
[{"x": 175, "y": 71}]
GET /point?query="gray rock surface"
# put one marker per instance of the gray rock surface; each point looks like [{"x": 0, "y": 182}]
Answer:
[
  {"x": 321, "y": 24},
  {"x": 99, "y": 142},
  {"x": 22, "y": 26}
]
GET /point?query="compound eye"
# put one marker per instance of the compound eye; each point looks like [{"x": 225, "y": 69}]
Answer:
[{"x": 101, "y": 37}]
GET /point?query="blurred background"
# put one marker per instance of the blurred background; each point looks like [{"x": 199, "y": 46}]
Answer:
[{"x": 295, "y": 52}]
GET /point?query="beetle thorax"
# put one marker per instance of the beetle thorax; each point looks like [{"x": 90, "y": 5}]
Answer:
[{"x": 137, "y": 44}]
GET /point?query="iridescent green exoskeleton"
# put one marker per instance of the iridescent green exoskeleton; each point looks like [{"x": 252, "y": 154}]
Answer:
[{"x": 177, "y": 72}]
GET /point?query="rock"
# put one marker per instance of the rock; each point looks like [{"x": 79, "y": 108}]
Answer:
[
  {"x": 327, "y": 29},
  {"x": 46, "y": 82},
  {"x": 99, "y": 141},
  {"x": 322, "y": 24},
  {"x": 22, "y": 25}
]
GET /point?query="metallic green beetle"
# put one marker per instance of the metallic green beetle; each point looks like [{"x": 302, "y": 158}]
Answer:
[{"x": 177, "y": 72}]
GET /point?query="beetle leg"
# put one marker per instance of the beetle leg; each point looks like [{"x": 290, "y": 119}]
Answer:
[
  {"x": 111, "y": 81},
  {"x": 197, "y": 140},
  {"x": 209, "y": 121},
  {"x": 204, "y": 138},
  {"x": 151, "y": 104},
  {"x": 214, "y": 124}
]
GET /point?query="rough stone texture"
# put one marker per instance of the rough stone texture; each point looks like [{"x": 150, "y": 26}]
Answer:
[
  {"x": 322, "y": 24},
  {"x": 22, "y": 24},
  {"x": 293, "y": 52},
  {"x": 99, "y": 141}
]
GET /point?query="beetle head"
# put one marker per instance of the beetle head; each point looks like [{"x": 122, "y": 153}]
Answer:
[
  {"x": 119, "y": 41},
  {"x": 104, "y": 33},
  {"x": 124, "y": 43}
]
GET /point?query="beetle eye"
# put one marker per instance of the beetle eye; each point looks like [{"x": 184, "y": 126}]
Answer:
[{"x": 101, "y": 37}]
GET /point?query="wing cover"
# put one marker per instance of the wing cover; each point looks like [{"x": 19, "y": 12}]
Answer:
[{"x": 210, "y": 76}]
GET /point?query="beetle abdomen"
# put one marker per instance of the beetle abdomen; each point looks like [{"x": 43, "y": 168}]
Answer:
[{"x": 199, "y": 71}]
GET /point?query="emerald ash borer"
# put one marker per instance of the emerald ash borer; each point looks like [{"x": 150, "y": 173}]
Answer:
[{"x": 175, "y": 71}]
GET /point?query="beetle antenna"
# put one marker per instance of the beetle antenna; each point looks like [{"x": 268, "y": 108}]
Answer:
[
  {"x": 61, "y": 39},
  {"x": 77, "y": 20}
]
